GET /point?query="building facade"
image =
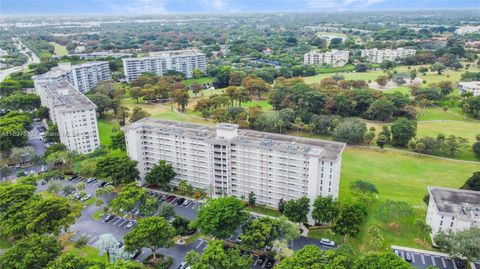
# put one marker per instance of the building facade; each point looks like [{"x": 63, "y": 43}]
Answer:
[
  {"x": 334, "y": 58},
  {"x": 73, "y": 113},
  {"x": 469, "y": 86},
  {"x": 84, "y": 77},
  {"x": 226, "y": 160},
  {"x": 379, "y": 56},
  {"x": 452, "y": 210},
  {"x": 184, "y": 61}
]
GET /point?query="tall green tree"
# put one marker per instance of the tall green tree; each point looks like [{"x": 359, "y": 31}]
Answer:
[
  {"x": 260, "y": 233},
  {"x": 325, "y": 209},
  {"x": 220, "y": 217},
  {"x": 31, "y": 252},
  {"x": 119, "y": 169},
  {"x": 473, "y": 182},
  {"x": 297, "y": 210},
  {"x": 462, "y": 244},
  {"x": 161, "y": 174},
  {"x": 350, "y": 219},
  {"x": 381, "y": 261},
  {"x": 312, "y": 257},
  {"x": 403, "y": 130},
  {"x": 152, "y": 232},
  {"x": 216, "y": 257},
  {"x": 132, "y": 195}
]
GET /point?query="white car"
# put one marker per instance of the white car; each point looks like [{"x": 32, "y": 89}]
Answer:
[
  {"x": 327, "y": 242},
  {"x": 130, "y": 224},
  {"x": 86, "y": 197}
]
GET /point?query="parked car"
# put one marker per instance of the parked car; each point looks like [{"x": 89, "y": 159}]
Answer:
[
  {"x": 170, "y": 198},
  {"x": 180, "y": 201},
  {"x": 397, "y": 252},
  {"x": 109, "y": 217},
  {"x": 261, "y": 260},
  {"x": 108, "y": 184},
  {"x": 90, "y": 180},
  {"x": 270, "y": 263},
  {"x": 183, "y": 265},
  {"x": 130, "y": 224},
  {"x": 327, "y": 242},
  {"x": 187, "y": 202},
  {"x": 120, "y": 244},
  {"x": 102, "y": 184},
  {"x": 85, "y": 198},
  {"x": 408, "y": 257},
  {"x": 136, "y": 254},
  {"x": 73, "y": 177}
]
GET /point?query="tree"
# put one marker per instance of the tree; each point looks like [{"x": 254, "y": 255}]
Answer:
[
  {"x": 281, "y": 205},
  {"x": 472, "y": 183},
  {"x": 102, "y": 101},
  {"x": 255, "y": 86},
  {"x": 181, "y": 96},
  {"x": 403, "y": 130},
  {"x": 288, "y": 230},
  {"x": 119, "y": 169},
  {"x": 297, "y": 210},
  {"x": 20, "y": 101},
  {"x": 107, "y": 244},
  {"x": 462, "y": 244},
  {"x": 251, "y": 199},
  {"x": 437, "y": 67},
  {"x": 151, "y": 232},
  {"x": 368, "y": 138},
  {"x": 382, "y": 81},
  {"x": 166, "y": 210},
  {"x": 161, "y": 174},
  {"x": 220, "y": 217},
  {"x": 361, "y": 68},
  {"x": 422, "y": 228},
  {"x": 381, "y": 110},
  {"x": 51, "y": 214},
  {"x": 350, "y": 218},
  {"x": 118, "y": 141},
  {"x": 138, "y": 113},
  {"x": 15, "y": 200},
  {"x": 446, "y": 87},
  {"x": 423, "y": 70},
  {"x": 363, "y": 187},
  {"x": 181, "y": 225},
  {"x": 386, "y": 132},
  {"x": 312, "y": 257},
  {"x": 381, "y": 261},
  {"x": 376, "y": 239},
  {"x": 476, "y": 146},
  {"x": 325, "y": 209},
  {"x": 122, "y": 114},
  {"x": 260, "y": 233},
  {"x": 54, "y": 187},
  {"x": 71, "y": 260},
  {"x": 136, "y": 93},
  {"x": 196, "y": 88},
  {"x": 223, "y": 76},
  {"x": 132, "y": 195},
  {"x": 381, "y": 141},
  {"x": 215, "y": 256},
  {"x": 32, "y": 252},
  {"x": 350, "y": 131}
]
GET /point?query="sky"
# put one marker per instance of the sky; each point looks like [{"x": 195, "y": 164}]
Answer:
[{"x": 134, "y": 7}]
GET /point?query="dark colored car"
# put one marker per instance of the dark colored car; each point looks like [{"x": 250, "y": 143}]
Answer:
[
  {"x": 109, "y": 217},
  {"x": 180, "y": 201},
  {"x": 170, "y": 198},
  {"x": 270, "y": 263},
  {"x": 102, "y": 184},
  {"x": 261, "y": 260},
  {"x": 136, "y": 254},
  {"x": 408, "y": 257},
  {"x": 120, "y": 244}
]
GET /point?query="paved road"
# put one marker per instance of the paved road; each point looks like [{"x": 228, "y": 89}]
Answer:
[{"x": 33, "y": 59}]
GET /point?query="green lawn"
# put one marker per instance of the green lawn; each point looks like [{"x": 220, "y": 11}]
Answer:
[
  {"x": 59, "y": 49},
  {"x": 264, "y": 210},
  {"x": 402, "y": 89},
  {"x": 398, "y": 176},
  {"x": 105, "y": 130},
  {"x": 436, "y": 113},
  {"x": 448, "y": 127},
  {"x": 262, "y": 103},
  {"x": 189, "y": 82},
  {"x": 88, "y": 252},
  {"x": 98, "y": 215}
]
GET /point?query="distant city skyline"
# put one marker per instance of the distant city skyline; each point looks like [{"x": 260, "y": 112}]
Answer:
[{"x": 137, "y": 7}]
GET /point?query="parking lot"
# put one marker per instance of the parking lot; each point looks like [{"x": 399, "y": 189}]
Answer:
[{"x": 423, "y": 259}]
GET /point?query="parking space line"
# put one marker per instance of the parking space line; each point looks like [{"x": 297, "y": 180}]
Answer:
[
  {"x": 423, "y": 258},
  {"x": 92, "y": 240},
  {"x": 413, "y": 258},
  {"x": 433, "y": 261},
  {"x": 199, "y": 244},
  {"x": 443, "y": 262},
  {"x": 117, "y": 220},
  {"x": 121, "y": 222}
]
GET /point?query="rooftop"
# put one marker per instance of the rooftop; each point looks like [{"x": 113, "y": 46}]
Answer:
[
  {"x": 65, "y": 96},
  {"x": 455, "y": 201},
  {"x": 54, "y": 72},
  {"x": 324, "y": 149},
  {"x": 470, "y": 83},
  {"x": 89, "y": 64}
]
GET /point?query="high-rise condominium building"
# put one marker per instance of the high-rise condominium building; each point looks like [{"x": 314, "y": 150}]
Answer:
[
  {"x": 379, "y": 56},
  {"x": 452, "y": 210},
  {"x": 335, "y": 58},
  {"x": 84, "y": 77},
  {"x": 73, "y": 113},
  {"x": 226, "y": 160},
  {"x": 184, "y": 61}
]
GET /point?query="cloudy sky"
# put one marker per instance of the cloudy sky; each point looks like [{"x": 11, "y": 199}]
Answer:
[{"x": 109, "y": 7}]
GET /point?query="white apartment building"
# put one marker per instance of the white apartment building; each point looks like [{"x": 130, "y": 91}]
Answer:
[
  {"x": 335, "y": 58},
  {"x": 452, "y": 210},
  {"x": 84, "y": 77},
  {"x": 226, "y": 160},
  {"x": 184, "y": 61},
  {"x": 73, "y": 113},
  {"x": 469, "y": 86},
  {"x": 379, "y": 56}
]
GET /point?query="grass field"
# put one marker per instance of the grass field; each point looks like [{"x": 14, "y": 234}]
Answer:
[
  {"x": 59, "y": 49},
  {"x": 435, "y": 113},
  {"x": 457, "y": 128},
  {"x": 189, "y": 82},
  {"x": 88, "y": 252},
  {"x": 398, "y": 176},
  {"x": 105, "y": 128}
]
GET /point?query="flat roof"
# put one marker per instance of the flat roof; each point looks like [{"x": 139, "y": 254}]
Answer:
[
  {"x": 65, "y": 96},
  {"x": 455, "y": 201},
  {"x": 89, "y": 64},
  {"x": 323, "y": 148},
  {"x": 54, "y": 72}
]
